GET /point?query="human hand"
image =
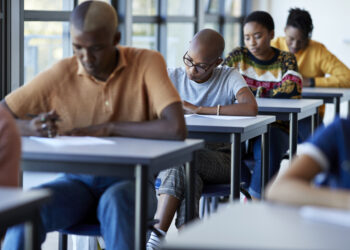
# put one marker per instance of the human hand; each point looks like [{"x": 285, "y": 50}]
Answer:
[
  {"x": 44, "y": 124},
  {"x": 190, "y": 108},
  {"x": 307, "y": 82},
  {"x": 101, "y": 130}
]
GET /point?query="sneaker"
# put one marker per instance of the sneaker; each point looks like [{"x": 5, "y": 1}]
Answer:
[{"x": 242, "y": 198}]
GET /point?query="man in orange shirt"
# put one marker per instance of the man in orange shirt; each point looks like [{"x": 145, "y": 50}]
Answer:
[{"x": 103, "y": 90}]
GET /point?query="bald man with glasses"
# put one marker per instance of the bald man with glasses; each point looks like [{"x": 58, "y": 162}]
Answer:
[{"x": 209, "y": 89}]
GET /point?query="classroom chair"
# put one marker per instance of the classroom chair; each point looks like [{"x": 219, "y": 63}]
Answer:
[{"x": 211, "y": 194}]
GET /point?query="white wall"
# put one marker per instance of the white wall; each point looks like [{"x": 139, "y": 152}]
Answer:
[{"x": 331, "y": 21}]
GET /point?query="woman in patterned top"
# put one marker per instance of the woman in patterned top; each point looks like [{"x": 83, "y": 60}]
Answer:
[{"x": 269, "y": 73}]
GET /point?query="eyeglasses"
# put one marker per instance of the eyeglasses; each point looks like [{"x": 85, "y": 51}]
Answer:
[{"x": 200, "y": 67}]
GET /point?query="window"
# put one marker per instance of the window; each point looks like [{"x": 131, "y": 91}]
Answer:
[
  {"x": 226, "y": 17},
  {"x": 163, "y": 25}
]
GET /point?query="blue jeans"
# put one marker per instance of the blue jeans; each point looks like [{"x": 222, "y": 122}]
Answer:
[
  {"x": 304, "y": 129},
  {"x": 78, "y": 197},
  {"x": 279, "y": 143}
]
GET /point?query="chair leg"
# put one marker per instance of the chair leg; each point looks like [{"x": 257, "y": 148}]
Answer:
[
  {"x": 62, "y": 241},
  {"x": 202, "y": 207},
  {"x": 214, "y": 203},
  {"x": 208, "y": 201}
]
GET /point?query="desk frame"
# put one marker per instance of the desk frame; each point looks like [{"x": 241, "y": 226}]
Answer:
[
  {"x": 121, "y": 167},
  {"x": 28, "y": 213},
  {"x": 236, "y": 138}
]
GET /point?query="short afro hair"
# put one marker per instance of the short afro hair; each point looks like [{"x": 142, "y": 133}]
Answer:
[
  {"x": 301, "y": 20},
  {"x": 261, "y": 17}
]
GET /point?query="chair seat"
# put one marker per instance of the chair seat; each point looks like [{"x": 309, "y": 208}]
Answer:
[{"x": 83, "y": 229}]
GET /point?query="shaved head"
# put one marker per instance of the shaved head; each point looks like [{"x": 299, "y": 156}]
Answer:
[
  {"x": 204, "y": 55},
  {"x": 209, "y": 43},
  {"x": 94, "y": 15}
]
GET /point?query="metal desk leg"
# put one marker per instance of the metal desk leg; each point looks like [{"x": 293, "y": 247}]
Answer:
[
  {"x": 141, "y": 199},
  {"x": 190, "y": 186},
  {"x": 265, "y": 160},
  {"x": 31, "y": 233},
  {"x": 293, "y": 134},
  {"x": 315, "y": 121},
  {"x": 235, "y": 166},
  {"x": 336, "y": 101}
]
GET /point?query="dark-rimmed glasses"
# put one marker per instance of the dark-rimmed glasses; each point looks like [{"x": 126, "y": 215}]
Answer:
[{"x": 200, "y": 67}]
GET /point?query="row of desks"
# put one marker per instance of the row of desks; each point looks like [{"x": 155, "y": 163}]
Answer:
[
  {"x": 138, "y": 158},
  {"x": 267, "y": 226},
  {"x": 329, "y": 95}
]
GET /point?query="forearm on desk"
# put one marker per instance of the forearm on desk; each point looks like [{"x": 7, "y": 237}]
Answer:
[
  {"x": 157, "y": 129},
  {"x": 239, "y": 109},
  {"x": 295, "y": 186},
  {"x": 298, "y": 192},
  {"x": 171, "y": 126}
]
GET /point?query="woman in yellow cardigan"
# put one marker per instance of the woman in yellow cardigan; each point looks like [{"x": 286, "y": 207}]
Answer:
[
  {"x": 317, "y": 65},
  {"x": 313, "y": 58}
]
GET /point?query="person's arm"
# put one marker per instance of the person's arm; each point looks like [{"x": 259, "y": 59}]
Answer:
[
  {"x": 246, "y": 106},
  {"x": 233, "y": 58},
  {"x": 331, "y": 65},
  {"x": 10, "y": 150},
  {"x": 44, "y": 124},
  {"x": 291, "y": 83},
  {"x": 295, "y": 187},
  {"x": 171, "y": 126}
]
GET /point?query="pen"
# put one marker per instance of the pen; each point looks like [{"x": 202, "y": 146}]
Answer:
[{"x": 44, "y": 125}]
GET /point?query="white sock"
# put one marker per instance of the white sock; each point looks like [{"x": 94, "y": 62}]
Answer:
[{"x": 154, "y": 240}]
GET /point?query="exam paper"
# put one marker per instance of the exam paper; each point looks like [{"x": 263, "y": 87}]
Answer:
[
  {"x": 62, "y": 141},
  {"x": 219, "y": 117},
  {"x": 328, "y": 215}
]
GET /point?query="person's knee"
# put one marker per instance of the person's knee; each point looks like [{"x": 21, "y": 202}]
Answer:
[
  {"x": 120, "y": 199},
  {"x": 122, "y": 192}
]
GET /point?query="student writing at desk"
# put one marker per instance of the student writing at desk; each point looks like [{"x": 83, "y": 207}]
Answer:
[
  {"x": 270, "y": 73},
  {"x": 317, "y": 65},
  {"x": 205, "y": 89},
  {"x": 327, "y": 156},
  {"x": 103, "y": 90}
]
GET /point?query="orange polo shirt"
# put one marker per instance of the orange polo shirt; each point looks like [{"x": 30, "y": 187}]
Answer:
[
  {"x": 10, "y": 149},
  {"x": 137, "y": 90}
]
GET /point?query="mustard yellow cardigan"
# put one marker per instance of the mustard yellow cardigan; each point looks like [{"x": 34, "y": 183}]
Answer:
[{"x": 316, "y": 61}]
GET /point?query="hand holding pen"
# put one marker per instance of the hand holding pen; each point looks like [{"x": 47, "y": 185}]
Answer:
[{"x": 45, "y": 124}]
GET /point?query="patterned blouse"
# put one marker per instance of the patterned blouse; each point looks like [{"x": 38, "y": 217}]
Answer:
[{"x": 275, "y": 78}]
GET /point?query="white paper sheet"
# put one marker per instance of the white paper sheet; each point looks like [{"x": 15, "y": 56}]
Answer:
[
  {"x": 328, "y": 215},
  {"x": 62, "y": 141},
  {"x": 219, "y": 117}
]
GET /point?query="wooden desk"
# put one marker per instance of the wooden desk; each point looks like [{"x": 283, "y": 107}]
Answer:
[
  {"x": 18, "y": 207},
  {"x": 329, "y": 95},
  {"x": 128, "y": 157},
  {"x": 290, "y": 110},
  {"x": 234, "y": 130},
  {"x": 260, "y": 226}
]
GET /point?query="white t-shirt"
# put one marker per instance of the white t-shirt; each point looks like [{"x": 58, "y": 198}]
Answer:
[{"x": 221, "y": 88}]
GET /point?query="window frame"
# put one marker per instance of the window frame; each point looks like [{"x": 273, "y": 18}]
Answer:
[{"x": 16, "y": 16}]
